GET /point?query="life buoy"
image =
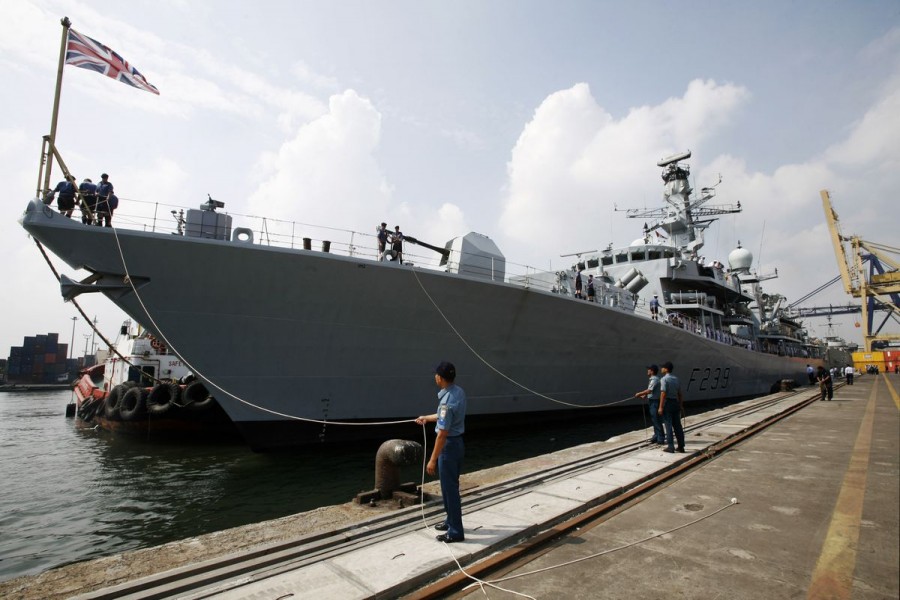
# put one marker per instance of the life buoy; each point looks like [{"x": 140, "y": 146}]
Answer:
[
  {"x": 163, "y": 398},
  {"x": 196, "y": 397},
  {"x": 157, "y": 345},
  {"x": 242, "y": 234},
  {"x": 133, "y": 405}
]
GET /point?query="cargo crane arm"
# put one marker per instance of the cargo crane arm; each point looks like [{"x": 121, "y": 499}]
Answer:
[
  {"x": 831, "y": 219},
  {"x": 880, "y": 282}
]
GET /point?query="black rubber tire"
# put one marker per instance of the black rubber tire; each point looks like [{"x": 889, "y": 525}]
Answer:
[
  {"x": 163, "y": 398},
  {"x": 113, "y": 401},
  {"x": 196, "y": 397},
  {"x": 133, "y": 406}
]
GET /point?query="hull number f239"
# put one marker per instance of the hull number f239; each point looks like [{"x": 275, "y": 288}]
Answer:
[{"x": 709, "y": 378}]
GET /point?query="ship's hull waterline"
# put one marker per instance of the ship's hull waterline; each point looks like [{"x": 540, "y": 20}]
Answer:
[{"x": 282, "y": 335}]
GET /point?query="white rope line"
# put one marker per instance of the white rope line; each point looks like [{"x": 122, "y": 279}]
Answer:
[
  {"x": 212, "y": 383},
  {"x": 733, "y": 502},
  {"x": 481, "y": 583},
  {"x": 497, "y": 371}
]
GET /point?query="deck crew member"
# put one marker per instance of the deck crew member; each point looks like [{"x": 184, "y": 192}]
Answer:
[
  {"x": 382, "y": 233},
  {"x": 447, "y": 456},
  {"x": 592, "y": 293},
  {"x": 66, "y": 201},
  {"x": 397, "y": 244},
  {"x": 654, "y": 307},
  {"x": 104, "y": 191},
  {"x": 652, "y": 395},
  {"x": 88, "y": 191},
  {"x": 671, "y": 403},
  {"x": 578, "y": 284}
]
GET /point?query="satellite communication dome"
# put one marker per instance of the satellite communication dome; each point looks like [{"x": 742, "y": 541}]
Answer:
[
  {"x": 740, "y": 259},
  {"x": 638, "y": 242}
]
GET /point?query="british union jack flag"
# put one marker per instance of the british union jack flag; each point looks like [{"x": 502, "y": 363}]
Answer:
[{"x": 88, "y": 53}]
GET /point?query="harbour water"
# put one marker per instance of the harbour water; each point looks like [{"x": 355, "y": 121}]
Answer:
[{"x": 72, "y": 494}]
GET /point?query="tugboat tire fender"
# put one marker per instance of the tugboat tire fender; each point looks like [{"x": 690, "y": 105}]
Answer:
[
  {"x": 163, "y": 398},
  {"x": 196, "y": 397},
  {"x": 113, "y": 401},
  {"x": 133, "y": 405}
]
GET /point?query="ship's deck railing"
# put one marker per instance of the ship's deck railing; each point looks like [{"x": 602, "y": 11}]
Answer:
[{"x": 161, "y": 217}]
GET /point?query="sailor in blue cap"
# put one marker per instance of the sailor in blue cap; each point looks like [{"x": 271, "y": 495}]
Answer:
[
  {"x": 449, "y": 449},
  {"x": 652, "y": 396}
]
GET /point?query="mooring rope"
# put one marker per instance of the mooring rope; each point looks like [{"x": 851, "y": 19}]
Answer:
[
  {"x": 496, "y": 370},
  {"x": 248, "y": 403}
]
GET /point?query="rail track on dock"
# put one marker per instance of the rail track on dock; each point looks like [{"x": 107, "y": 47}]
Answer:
[{"x": 215, "y": 576}]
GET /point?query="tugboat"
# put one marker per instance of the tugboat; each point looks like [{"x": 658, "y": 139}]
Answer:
[{"x": 142, "y": 389}]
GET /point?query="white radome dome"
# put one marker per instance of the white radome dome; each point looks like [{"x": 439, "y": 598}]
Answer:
[
  {"x": 740, "y": 259},
  {"x": 638, "y": 242}
]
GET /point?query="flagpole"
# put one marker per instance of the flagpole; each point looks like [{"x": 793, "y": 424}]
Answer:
[{"x": 66, "y": 23}]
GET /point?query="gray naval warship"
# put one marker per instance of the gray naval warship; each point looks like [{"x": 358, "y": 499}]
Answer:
[{"x": 295, "y": 358}]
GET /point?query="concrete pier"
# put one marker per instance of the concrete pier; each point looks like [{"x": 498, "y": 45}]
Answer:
[{"x": 816, "y": 515}]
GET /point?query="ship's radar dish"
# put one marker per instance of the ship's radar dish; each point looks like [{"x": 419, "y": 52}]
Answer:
[
  {"x": 673, "y": 158},
  {"x": 740, "y": 259},
  {"x": 639, "y": 242}
]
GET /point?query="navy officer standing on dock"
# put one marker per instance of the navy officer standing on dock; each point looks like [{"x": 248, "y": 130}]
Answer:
[
  {"x": 447, "y": 456},
  {"x": 671, "y": 403},
  {"x": 652, "y": 395}
]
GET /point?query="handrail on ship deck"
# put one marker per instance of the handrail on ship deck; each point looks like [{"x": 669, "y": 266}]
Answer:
[{"x": 145, "y": 215}]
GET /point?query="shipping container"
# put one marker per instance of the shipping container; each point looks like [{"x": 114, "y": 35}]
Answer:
[
  {"x": 15, "y": 351},
  {"x": 49, "y": 359},
  {"x": 863, "y": 360}
]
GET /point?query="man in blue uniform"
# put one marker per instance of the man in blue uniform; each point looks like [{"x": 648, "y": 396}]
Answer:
[
  {"x": 652, "y": 395},
  {"x": 66, "y": 201},
  {"x": 382, "y": 233},
  {"x": 671, "y": 403},
  {"x": 447, "y": 456},
  {"x": 88, "y": 191},
  {"x": 104, "y": 191},
  {"x": 654, "y": 307}
]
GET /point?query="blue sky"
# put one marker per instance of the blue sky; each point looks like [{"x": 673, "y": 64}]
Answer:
[{"x": 526, "y": 121}]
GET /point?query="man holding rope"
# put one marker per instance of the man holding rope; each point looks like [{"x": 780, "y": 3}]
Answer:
[
  {"x": 652, "y": 395},
  {"x": 447, "y": 456}
]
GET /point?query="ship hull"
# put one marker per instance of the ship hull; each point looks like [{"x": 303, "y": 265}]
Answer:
[{"x": 296, "y": 343}]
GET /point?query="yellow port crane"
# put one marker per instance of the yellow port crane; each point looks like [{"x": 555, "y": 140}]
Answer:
[{"x": 881, "y": 287}]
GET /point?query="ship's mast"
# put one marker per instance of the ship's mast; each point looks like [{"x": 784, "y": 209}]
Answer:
[{"x": 683, "y": 219}]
